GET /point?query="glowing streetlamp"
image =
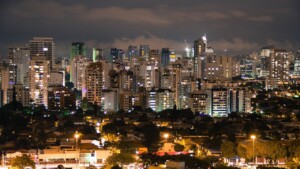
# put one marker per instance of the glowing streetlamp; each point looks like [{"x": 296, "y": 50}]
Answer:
[
  {"x": 76, "y": 135},
  {"x": 166, "y": 136},
  {"x": 253, "y": 137}
]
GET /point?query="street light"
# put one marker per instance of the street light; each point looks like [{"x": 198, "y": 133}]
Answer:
[
  {"x": 76, "y": 135},
  {"x": 253, "y": 137},
  {"x": 166, "y": 136}
]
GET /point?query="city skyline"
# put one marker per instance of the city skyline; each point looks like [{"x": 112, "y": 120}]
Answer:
[{"x": 238, "y": 27}]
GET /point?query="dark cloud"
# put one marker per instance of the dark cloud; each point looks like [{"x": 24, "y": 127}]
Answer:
[{"x": 238, "y": 26}]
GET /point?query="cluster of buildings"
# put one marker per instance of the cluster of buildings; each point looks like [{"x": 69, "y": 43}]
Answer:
[{"x": 141, "y": 77}]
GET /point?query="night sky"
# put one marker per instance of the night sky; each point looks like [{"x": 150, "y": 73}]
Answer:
[{"x": 239, "y": 26}]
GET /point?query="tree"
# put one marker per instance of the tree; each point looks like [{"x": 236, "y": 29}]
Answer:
[
  {"x": 120, "y": 159},
  {"x": 228, "y": 149},
  {"x": 178, "y": 147},
  {"x": 151, "y": 134},
  {"x": 22, "y": 161}
]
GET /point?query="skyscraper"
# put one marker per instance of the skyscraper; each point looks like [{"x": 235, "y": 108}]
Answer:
[
  {"x": 42, "y": 46},
  {"x": 97, "y": 54},
  {"x": 77, "y": 48},
  {"x": 165, "y": 57},
  {"x": 144, "y": 50},
  {"x": 199, "y": 54}
]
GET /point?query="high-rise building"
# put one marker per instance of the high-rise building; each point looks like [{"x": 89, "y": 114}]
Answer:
[
  {"x": 77, "y": 69},
  {"x": 265, "y": 62},
  {"x": 279, "y": 70},
  {"x": 144, "y": 50},
  {"x": 57, "y": 78},
  {"x": 296, "y": 72},
  {"x": 110, "y": 101},
  {"x": 20, "y": 94},
  {"x": 219, "y": 98},
  {"x": 61, "y": 98},
  {"x": 239, "y": 101},
  {"x": 77, "y": 48},
  {"x": 198, "y": 102},
  {"x": 199, "y": 56},
  {"x": 4, "y": 82},
  {"x": 248, "y": 69},
  {"x": 218, "y": 67},
  {"x": 42, "y": 46},
  {"x": 132, "y": 51},
  {"x": 164, "y": 99},
  {"x": 165, "y": 57},
  {"x": 92, "y": 89},
  {"x": 97, "y": 54},
  {"x": 39, "y": 74},
  {"x": 19, "y": 58},
  {"x": 113, "y": 57}
]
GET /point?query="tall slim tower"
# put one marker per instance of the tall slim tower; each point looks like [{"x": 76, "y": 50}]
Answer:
[
  {"x": 39, "y": 74},
  {"x": 199, "y": 54},
  {"x": 165, "y": 57},
  {"x": 42, "y": 46}
]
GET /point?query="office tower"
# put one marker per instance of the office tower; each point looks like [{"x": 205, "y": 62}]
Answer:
[
  {"x": 121, "y": 56},
  {"x": 279, "y": 68},
  {"x": 199, "y": 56},
  {"x": 172, "y": 56},
  {"x": 132, "y": 51},
  {"x": 219, "y": 98},
  {"x": 42, "y": 46},
  {"x": 165, "y": 57},
  {"x": 164, "y": 99},
  {"x": 113, "y": 57},
  {"x": 39, "y": 72},
  {"x": 20, "y": 94},
  {"x": 77, "y": 48},
  {"x": 60, "y": 98},
  {"x": 77, "y": 70},
  {"x": 97, "y": 54},
  {"x": 247, "y": 69},
  {"x": 198, "y": 102},
  {"x": 144, "y": 50},
  {"x": 265, "y": 54},
  {"x": 92, "y": 89}
]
